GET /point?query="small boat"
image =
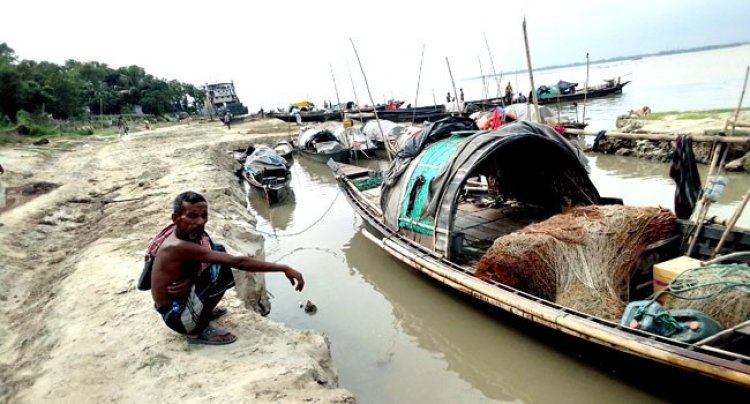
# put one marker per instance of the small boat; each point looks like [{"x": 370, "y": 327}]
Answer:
[
  {"x": 560, "y": 92},
  {"x": 565, "y": 92},
  {"x": 307, "y": 116},
  {"x": 429, "y": 113},
  {"x": 284, "y": 149},
  {"x": 428, "y": 211},
  {"x": 321, "y": 145},
  {"x": 265, "y": 170}
]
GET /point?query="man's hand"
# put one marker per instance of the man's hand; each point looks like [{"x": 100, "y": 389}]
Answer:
[
  {"x": 180, "y": 288},
  {"x": 293, "y": 277}
]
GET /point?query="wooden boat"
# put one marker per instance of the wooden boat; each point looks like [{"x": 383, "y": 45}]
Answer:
[
  {"x": 284, "y": 149},
  {"x": 321, "y": 145},
  {"x": 429, "y": 113},
  {"x": 307, "y": 116},
  {"x": 554, "y": 94},
  {"x": 266, "y": 171},
  {"x": 547, "y": 96},
  {"x": 446, "y": 240}
]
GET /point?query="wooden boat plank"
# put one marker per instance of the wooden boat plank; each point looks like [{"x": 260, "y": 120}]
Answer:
[{"x": 352, "y": 171}]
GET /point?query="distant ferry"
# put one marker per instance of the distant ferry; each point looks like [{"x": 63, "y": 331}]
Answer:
[{"x": 222, "y": 97}]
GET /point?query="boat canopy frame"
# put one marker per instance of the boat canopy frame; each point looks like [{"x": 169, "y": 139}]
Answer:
[{"x": 520, "y": 152}]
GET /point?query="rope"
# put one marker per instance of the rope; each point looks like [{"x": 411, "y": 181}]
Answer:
[
  {"x": 308, "y": 227},
  {"x": 688, "y": 281}
]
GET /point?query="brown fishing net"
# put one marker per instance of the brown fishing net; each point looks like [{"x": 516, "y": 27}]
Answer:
[{"x": 582, "y": 259}]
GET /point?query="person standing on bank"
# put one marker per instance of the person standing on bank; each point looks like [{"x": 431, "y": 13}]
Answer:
[
  {"x": 189, "y": 273},
  {"x": 228, "y": 120},
  {"x": 508, "y": 94},
  {"x": 461, "y": 95}
]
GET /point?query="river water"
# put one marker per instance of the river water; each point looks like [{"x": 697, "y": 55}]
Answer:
[
  {"x": 683, "y": 82},
  {"x": 397, "y": 337}
]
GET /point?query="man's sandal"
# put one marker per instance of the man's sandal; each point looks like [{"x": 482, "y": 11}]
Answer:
[{"x": 212, "y": 336}]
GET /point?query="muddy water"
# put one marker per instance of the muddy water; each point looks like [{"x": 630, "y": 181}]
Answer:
[{"x": 398, "y": 337}]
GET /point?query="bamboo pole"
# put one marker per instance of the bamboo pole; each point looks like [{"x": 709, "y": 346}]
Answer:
[
  {"x": 531, "y": 73},
  {"x": 704, "y": 203},
  {"x": 419, "y": 79},
  {"x": 336, "y": 89},
  {"x": 585, "y": 89},
  {"x": 374, "y": 110},
  {"x": 492, "y": 64},
  {"x": 741, "y": 124},
  {"x": 484, "y": 80},
  {"x": 455, "y": 94},
  {"x": 742, "y": 95},
  {"x": 356, "y": 99},
  {"x": 732, "y": 222},
  {"x": 663, "y": 136}
]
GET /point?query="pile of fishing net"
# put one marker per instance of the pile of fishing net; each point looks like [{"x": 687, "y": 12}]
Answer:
[
  {"x": 363, "y": 184},
  {"x": 583, "y": 259},
  {"x": 722, "y": 291}
]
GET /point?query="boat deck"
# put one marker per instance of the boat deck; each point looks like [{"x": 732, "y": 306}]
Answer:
[{"x": 481, "y": 223}]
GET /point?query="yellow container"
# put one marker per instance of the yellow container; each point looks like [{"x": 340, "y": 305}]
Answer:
[{"x": 665, "y": 272}]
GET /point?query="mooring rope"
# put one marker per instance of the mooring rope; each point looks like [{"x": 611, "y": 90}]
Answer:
[{"x": 308, "y": 227}]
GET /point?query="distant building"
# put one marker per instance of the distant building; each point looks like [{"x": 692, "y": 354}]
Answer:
[{"x": 221, "y": 97}]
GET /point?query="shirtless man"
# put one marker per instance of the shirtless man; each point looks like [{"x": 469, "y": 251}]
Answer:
[{"x": 189, "y": 276}]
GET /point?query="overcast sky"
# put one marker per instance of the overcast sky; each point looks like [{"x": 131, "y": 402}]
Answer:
[{"x": 277, "y": 52}]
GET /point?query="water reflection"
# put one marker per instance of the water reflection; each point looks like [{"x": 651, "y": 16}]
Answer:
[
  {"x": 505, "y": 364},
  {"x": 279, "y": 215},
  {"x": 647, "y": 183}
]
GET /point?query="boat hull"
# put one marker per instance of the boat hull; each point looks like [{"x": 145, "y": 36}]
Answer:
[
  {"x": 339, "y": 156},
  {"x": 271, "y": 193}
]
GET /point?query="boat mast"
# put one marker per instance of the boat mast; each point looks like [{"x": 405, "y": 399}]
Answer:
[
  {"x": 531, "y": 73},
  {"x": 484, "y": 81},
  {"x": 492, "y": 63},
  {"x": 374, "y": 110},
  {"x": 419, "y": 79},
  {"x": 336, "y": 89},
  {"x": 455, "y": 94},
  {"x": 585, "y": 89}
]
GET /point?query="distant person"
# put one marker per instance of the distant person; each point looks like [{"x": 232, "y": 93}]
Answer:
[
  {"x": 461, "y": 94},
  {"x": 262, "y": 113},
  {"x": 295, "y": 112},
  {"x": 522, "y": 98},
  {"x": 508, "y": 93},
  {"x": 189, "y": 273},
  {"x": 448, "y": 97},
  {"x": 122, "y": 127},
  {"x": 228, "y": 120}
]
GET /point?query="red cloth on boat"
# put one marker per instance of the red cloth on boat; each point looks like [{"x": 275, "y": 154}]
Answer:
[{"x": 156, "y": 242}]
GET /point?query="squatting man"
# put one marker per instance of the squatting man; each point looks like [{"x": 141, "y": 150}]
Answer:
[{"x": 189, "y": 273}]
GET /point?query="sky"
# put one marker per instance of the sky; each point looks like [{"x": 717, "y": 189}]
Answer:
[{"x": 285, "y": 51}]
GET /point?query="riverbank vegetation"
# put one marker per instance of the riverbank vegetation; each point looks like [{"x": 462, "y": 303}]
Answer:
[
  {"x": 692, "y": 115},
  {"x": 77, "y": 98}
]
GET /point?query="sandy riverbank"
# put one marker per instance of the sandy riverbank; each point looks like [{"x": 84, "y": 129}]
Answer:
[{"x": 76, "y": 330}]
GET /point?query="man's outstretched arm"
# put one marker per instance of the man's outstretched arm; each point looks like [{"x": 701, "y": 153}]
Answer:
[{"x": 194, "y": 252}]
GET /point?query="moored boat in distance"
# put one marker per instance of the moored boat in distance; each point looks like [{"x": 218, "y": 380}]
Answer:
[
  {"x": 560, "y": 92},
  {"x": 306, "y": 116},
  {"x": 321, "y": 145},
  {"x": 565, "y": 92},
  {"x": 284, "y": 149},
  {"x": 451, "y": 203}
]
